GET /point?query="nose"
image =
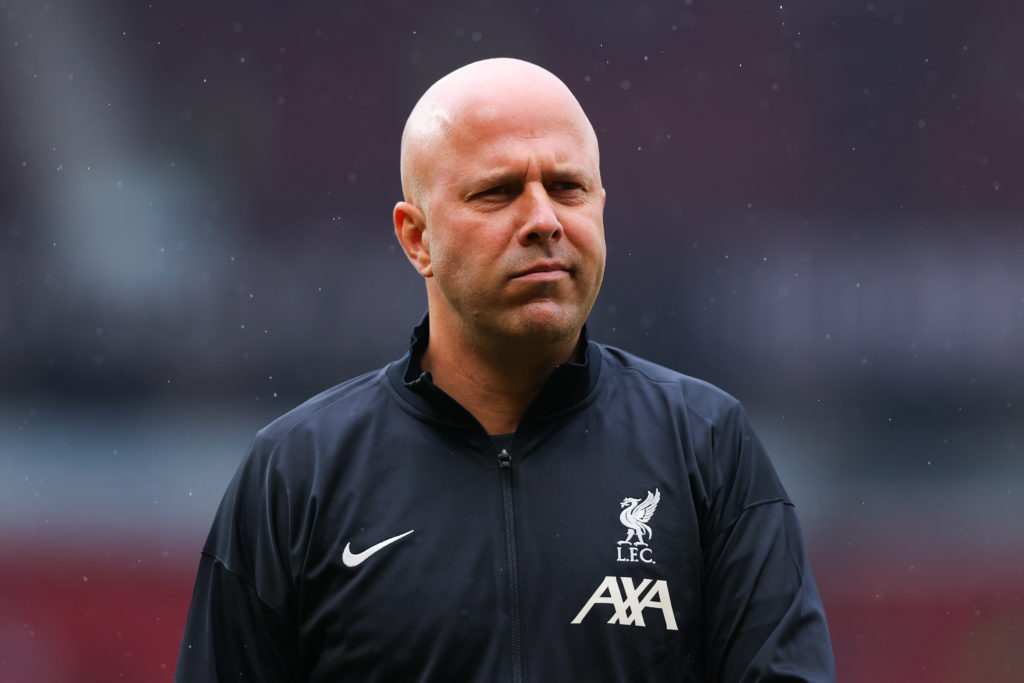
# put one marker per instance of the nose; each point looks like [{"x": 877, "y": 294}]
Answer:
[{"x": 540, "y": 223}]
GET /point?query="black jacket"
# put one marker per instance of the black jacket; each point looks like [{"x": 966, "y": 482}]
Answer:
[{"x": 632, "y": 530}]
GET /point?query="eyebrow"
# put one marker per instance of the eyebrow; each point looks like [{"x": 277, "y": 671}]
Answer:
[{"x": 510, "y": 176}]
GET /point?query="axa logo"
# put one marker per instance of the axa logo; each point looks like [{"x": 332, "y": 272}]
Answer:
[
  {"x": 630, "y": 602},
  {"x": 634, "y": 516}
]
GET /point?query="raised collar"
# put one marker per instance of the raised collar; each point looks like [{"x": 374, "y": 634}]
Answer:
[{"x": 567, "y": 389}]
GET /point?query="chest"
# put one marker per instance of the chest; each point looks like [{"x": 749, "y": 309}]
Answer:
[{"x": 573, "y": 554}]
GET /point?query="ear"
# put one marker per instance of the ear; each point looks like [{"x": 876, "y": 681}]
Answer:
[{"x": 410, "y": 224}]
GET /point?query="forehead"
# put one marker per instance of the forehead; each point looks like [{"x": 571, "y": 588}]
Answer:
[{"x": 482, "y": 131}]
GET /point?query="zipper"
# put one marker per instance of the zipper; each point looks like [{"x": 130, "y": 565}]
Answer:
[{"x": 512, "y": 561}]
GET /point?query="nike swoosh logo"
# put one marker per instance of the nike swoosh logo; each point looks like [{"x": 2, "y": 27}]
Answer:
[{"x": 352, "y": 559}]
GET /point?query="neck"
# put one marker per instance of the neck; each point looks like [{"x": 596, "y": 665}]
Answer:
[{"x": 495, "y": 382}]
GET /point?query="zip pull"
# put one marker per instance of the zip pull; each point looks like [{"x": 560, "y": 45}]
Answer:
[{"x": 504, "y": 459}]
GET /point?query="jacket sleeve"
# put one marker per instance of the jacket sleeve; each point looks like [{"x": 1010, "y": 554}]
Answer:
[
  {"x": 241, "y": 623},
  {"x": 232, "y": 634},
  {"x": 764, "y": 615}
]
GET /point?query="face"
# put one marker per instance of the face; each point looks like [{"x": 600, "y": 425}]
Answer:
[{"x": 513, "y": 221}]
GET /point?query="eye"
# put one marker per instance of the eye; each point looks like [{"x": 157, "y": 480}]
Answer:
[
  {"x": 566, "y": 186},
  {"x": 567, "y": 191},
  {"x": 497, "y": 195},
  {"x": 494, "y": 191}
]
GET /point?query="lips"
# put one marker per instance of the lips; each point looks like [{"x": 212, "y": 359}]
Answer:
[{"x": 545, "y": 270}]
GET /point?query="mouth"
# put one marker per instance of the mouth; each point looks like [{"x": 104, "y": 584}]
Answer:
[{"x": 544, "y": 271}]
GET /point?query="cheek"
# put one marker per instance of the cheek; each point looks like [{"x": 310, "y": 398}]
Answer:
[
  {"x": 459, "y": 264},
  {"x": 590, "y": 240},
  {"x": 472, "y": 247},
  {"x": 444, "y": 262},
  {"x": 591, "y": 245}
]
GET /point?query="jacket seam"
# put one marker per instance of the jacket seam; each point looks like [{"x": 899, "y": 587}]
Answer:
[
  {"x": 256, "y": 591},
  {"x": 671, "y": 383},
  {"x": 329, "y": 404},
  {"x": 748, "y": 507}
]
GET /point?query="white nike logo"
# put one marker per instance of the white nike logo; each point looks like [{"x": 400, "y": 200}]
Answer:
[{"x": 352, "y": 559}]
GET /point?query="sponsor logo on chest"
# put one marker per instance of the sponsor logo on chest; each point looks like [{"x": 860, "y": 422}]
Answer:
[
  {"x": 630, "y": 602},
  {"x": 627, "y": 597}
]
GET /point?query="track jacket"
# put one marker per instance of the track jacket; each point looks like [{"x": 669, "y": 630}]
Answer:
[{"x": 632, "y": 529}]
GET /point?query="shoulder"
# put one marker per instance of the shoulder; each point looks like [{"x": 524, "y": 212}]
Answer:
[
  {"x": 734, "y": 472},
  {"x": 288, "y": 460},
  {"x": 621, "y": 369},
  {"x": 286, "y": 455},
  {"x": 329, "y": 411},
  {"x": 293, "y": 448}
]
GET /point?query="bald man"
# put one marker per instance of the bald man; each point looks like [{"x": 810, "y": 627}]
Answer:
[
  {"x": 503, "y": 218},
  {"x": 509, "y": 501}
]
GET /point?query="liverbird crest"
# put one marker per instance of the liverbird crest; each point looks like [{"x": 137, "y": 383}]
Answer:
[{"x": 635, "y": 515}]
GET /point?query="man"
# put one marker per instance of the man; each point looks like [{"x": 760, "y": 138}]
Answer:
[{"x": 510, "y": 501}]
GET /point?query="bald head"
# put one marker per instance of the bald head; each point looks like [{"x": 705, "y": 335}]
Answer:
[
  {"x": 503, "y": 216},
  {"x": 486, "y": 90}
]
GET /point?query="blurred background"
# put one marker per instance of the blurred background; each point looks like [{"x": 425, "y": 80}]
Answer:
[{"x": 816, "y": 205}]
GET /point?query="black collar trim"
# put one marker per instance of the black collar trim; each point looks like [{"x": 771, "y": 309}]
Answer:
[{"x": 567, "y": 389}]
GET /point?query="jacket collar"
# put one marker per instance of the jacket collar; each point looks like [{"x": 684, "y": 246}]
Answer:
[{"x": 565, "y": 390}]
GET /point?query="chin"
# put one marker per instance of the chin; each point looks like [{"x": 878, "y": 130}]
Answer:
[{"x": 545, "y": 324}]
